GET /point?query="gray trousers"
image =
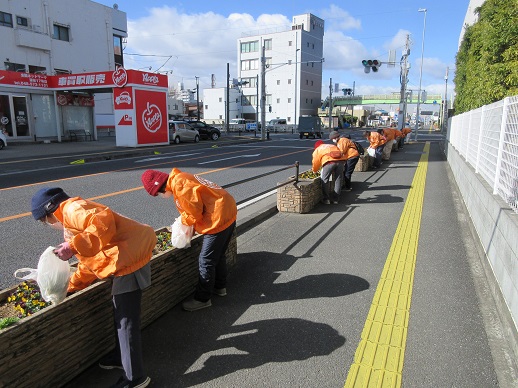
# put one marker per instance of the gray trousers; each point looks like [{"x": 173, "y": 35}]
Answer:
[
  {"x": 336, "y": 171},
  {"x": 126, "y": 313}
]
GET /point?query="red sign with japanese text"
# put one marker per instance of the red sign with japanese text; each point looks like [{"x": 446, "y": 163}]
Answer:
[{"x": 151, "y": 116}]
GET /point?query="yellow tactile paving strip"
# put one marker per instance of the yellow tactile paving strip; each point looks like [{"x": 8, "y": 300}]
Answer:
[{"x": 378, "y": 361}]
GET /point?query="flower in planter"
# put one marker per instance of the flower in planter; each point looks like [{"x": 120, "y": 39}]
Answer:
[
  {"x": 309, "y": 174},
  {"x": 27, "y": 299},
  {"x": 163, "y": 242}
]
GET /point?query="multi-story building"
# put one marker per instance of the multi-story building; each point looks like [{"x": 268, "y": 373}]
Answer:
[
  {"x": 50, "y": 38},
  {"x": 293, "y": 75}
]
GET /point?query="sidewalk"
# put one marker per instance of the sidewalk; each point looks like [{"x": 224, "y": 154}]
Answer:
[{"x": 299, "y": 296}]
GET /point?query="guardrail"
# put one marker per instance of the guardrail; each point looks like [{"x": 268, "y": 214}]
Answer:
[{"x": 487, "y": 138}]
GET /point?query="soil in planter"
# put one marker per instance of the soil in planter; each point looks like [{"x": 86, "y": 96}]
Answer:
[{"x": 8, "y": 311}]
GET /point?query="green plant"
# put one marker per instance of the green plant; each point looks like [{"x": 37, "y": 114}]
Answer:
[
  {"x": 5, "y": 322},
  {"x": 27, "y": 299},
  {"x": 163, "y": 242}
]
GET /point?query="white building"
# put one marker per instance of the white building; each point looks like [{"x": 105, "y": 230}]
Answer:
[
  {"x": 293, "y": 77},
  {"x": 56, "y": 37}
]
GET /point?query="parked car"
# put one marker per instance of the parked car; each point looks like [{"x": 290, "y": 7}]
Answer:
[
  {"x": 182, "y": 131},
  {"x": 206, "y": 131},
  {"x": 275, "y": 124},
  {"x": 3, "y": 139}
]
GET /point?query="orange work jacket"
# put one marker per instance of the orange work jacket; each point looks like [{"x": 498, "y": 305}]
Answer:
[
  {"x": 376, "y": 140},
  {"x": 105, "y": 243},
  {"x": 406, "y": 131},
  {"x": 389, "y": 134},
  {"x": 201, "y": 203},
  {"x": 347, "y": 147},
  {"x": 321, "y": 156}
]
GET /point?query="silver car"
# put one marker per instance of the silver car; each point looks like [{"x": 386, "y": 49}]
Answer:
[{"x": 182, "y": 131}]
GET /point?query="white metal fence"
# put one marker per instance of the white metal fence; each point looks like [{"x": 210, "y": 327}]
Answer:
[{"x": 487, "y": 138}]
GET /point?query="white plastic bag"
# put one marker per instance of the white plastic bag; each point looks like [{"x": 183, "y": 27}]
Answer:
[
  {"x": 371, "y": 151},
  {"x": 181, "y": 234},
  {"x": 52, "y": 276}
]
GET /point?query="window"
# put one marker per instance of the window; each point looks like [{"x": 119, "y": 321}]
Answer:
[
  {"x": 289, "y": 119},
  {"x": 21, "y": 21},
  {"x": 61, "y": 71},
  {"x": 313, "y": 46},
  {"x": 61, "y": 33},
  {"x": 250, "y": 64},
  {"x": 278, "y": 82},
  {"x": 267, "y": 44},
  {"x": 278, "y": 101},
  {"x": 206, "y": 107},
  {"x": 117, "y": 50},
  {"x": 307, "y": 82},
  {"x": 308, "y": 44},
  {"x": 252, "y": 99},
  {"x": 249, "y": 47},
  {"x": 289, "y": 100},
  {"x": 268, "y": 61},
  {"x": 6, "y": 19},
  {"x": 37, "y": 69},
  {"x": 10, "y": 66},
  {"x": 311, "y": 83},
  {"x": 289, "y": 43},
  {"x": 220, "y": 99},
  {"x": 289, "y": 81},
  {"x": 252, "y": 82}
]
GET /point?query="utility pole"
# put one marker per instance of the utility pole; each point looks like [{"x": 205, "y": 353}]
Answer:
[
  {"x": 403, "y": 78},
  {"x": 263, "y": 94},
  {"x": 330, "y": 102},
  {"x": 257, "y": 102},
  {"x": 227, "y": 108},
  {"x": 197, "y": 98},
  {"x": 445, "y": 105}
]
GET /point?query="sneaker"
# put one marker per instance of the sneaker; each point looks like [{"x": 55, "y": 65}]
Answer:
[
  {"x": 139, "y": 383},
  {"x": 110, "y": 362},
  {"x": 326, "y": 201},
  {"x": 193, "y": 305},
  {"x": 220, "y": 291}
]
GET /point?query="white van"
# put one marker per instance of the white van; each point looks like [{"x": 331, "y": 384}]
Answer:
[
  {"x": 237, "y": 121},
  {"x": 276, "y": 124}
]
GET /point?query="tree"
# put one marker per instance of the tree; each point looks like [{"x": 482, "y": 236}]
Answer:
[{"x": 487, "y": 60}]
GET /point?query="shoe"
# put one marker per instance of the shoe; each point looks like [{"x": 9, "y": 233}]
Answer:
[
  {"x": 326, "y": 201},
  {"x": 139, "y": 383},
  {"x": 348, "y": 189},
  {"x": 193, "y": 305},
  {"x": 220, "y": 291},
  {"x": 335, "y": 202},
  {"x": 110, "y": 362}
]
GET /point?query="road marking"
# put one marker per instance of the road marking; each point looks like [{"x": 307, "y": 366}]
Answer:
[
  {"x": 232, "y": 157},
  {"x": 152, "y": 159},
  {"x": 378, "y": 360}
]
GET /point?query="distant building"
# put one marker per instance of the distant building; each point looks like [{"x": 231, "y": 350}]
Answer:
[
  {"x": 293, "y": 77},
  {"x": 50, "y": 38}
]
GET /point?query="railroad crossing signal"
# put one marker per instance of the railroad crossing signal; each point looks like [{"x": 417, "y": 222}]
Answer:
[{"x": 369, "y": 64}]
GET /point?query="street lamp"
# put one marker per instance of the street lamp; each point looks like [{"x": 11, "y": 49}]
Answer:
[{"x": 420, "y": 74}]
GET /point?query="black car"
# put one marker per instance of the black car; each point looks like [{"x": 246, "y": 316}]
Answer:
[{"x": 206, "y": 131}]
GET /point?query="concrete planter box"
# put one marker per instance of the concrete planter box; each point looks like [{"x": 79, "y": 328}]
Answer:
[
  {"x": 299, "y": 197},
  {"x": 53, "y": 346}
]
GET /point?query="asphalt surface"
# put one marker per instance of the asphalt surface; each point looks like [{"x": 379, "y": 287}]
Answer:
[{"x": 300, "y": 294}]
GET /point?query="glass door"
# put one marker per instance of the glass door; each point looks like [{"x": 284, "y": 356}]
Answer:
[
  {"x": 14, "y": 118},
  {"x": 6, "y": 124},
  {"x": 21, "y": 118}
]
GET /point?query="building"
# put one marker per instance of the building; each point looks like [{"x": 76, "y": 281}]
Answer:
[
  {"x": 46, "y": 38},
  {"x": 293, "y": 74}
]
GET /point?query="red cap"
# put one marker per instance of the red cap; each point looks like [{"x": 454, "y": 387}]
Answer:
[
  {"x": 318, "y": 143},
  {"x": 153, "y": 180}
]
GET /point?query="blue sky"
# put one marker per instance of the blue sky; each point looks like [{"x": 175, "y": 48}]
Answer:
[{"x": 198, "y": 38}]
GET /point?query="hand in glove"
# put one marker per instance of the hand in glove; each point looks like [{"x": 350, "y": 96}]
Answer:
[{"x": 63, "y": 251}]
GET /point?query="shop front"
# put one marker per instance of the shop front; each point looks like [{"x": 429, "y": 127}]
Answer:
[{"x": 40, "y": 107}]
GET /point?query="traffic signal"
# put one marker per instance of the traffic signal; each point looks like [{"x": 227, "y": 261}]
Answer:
[
  {"x": 347, "y": 92},
  {"x": 369, "y": 64}
]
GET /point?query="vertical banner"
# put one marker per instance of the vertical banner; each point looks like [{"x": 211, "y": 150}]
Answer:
[{"x": 151, "y": 116}]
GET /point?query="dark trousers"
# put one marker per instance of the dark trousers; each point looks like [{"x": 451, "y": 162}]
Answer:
[
  {"x": 336, "y": 171},
  {"x": 378, "y": 155},
  {"x": 213, "y": 263},
  {"x": 401, "y": 142},
  {"x": 350, "y": 164},
  {"x": 126, "y": 313}
]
